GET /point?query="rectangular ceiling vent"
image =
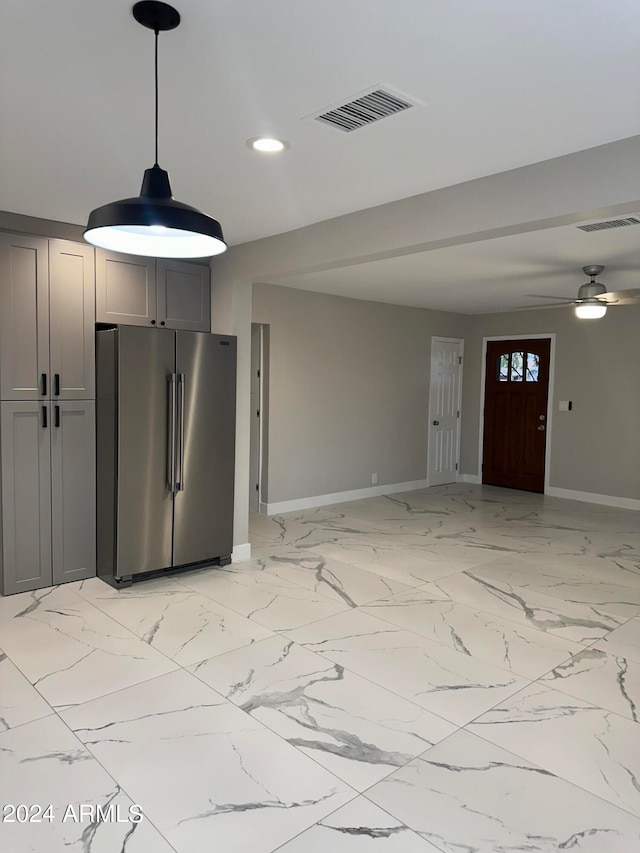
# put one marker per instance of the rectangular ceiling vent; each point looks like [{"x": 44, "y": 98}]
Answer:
[
  {"x": 363, "y": 110},
  {"x": 610, "y": 223}
]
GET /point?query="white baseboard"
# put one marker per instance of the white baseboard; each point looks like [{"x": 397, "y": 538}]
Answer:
[
  {"x": 263, "y": 508},
  {"x": 572, "y": 495},
  {"x": 342, "y": 497},
  {"x": 593, "y": 498},
  {"x": 241, "y": 553}
]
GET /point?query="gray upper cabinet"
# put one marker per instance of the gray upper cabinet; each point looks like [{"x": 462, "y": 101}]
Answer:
[
  {"x": 184, "y": 296},
  {"x": 125, "y": 289},
  {"x": 147, "y": 292},
  {"x": 24, "y": 317},
  {"x": 72, "y": 311},
  {"x": 47, "y": 315},
  {"x": 26, "y": 496}
]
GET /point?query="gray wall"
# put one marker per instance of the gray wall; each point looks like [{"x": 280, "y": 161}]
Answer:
[
  {"x": 587, "y": 184},
  {"x": 231, "y": 315},
  {"x": 594, "y": 448},
  {"x": 349, "y": 390}
]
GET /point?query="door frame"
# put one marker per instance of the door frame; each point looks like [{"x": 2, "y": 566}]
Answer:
[
  {"x": 551, "y": 336},
  {"x": 261, "y": 449},
  {"x": 459, "y": 427}
]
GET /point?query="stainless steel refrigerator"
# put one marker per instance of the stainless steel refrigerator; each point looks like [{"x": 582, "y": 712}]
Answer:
[{"x": 165, "y": 450}]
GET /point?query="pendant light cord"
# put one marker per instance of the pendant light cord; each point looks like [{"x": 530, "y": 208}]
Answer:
[{"x": 156, "y": 79}]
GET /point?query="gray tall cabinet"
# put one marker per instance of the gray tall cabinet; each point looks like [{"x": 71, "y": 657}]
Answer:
[{"x": 47, "y": 412}]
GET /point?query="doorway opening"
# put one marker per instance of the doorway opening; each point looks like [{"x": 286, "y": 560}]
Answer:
[
  {"x": 516, "y": 415},
  {"x": 259, "y": 418},
  {"x": 445, "y": 398}
]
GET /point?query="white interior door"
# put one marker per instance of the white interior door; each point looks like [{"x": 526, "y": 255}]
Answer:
[{"x": 444, "y": 410}]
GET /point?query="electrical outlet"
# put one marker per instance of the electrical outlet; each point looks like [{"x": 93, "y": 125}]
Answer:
[{"x": 374, "y": 479}]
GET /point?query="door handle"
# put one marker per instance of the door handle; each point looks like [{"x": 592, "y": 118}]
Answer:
[
  {"x": 44, "y": 417},
  {"x": 57, "y": 416},
  {"x": 436, "y": 423},
  {"x": 56, "y": 384},
  {"x": 541, "y": 428},
  {"x": 44, "y": 384},
  {"x": 180, "y": 454},
  {"x": 171, "y": 433}
]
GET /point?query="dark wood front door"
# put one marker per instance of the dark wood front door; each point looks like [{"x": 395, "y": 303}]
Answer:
[{"x": 515, "y": 413}]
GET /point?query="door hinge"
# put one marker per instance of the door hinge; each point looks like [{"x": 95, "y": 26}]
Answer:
[
  {"x": 258, "y": 413},
  {"x": 459, "y": 359},
  {"x": 258, "y": 374},
  {"x": 257, "y": 487},
  {"x": 458, "y": 413},
  {"x": 456, "y": 466}
]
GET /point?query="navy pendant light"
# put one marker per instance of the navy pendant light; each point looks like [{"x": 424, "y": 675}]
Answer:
[{"x": 154, "y": 223}]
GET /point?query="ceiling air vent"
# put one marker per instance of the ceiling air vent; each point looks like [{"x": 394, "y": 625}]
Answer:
[
  {"x": 363, "y": 110},
  {"x": 610, "y": 223}
]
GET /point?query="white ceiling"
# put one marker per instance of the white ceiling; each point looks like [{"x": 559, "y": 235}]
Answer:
[
  {"x": 503, "y": 84},
  {"x": 491, "y": 275}
]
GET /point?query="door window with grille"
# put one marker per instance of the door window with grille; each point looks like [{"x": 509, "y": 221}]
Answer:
[{"x": 518, "y": 366}]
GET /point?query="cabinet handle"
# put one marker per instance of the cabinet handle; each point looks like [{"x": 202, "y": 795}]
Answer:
[
  {"x": 56, "y": 384},
  {"x": 44, "y": 384},
  {"x": 57, "y": 416},
  {"x": 162, "y": 322},
  {"x": 153, "y": 322},
  {"x": 44, "y": 417}
]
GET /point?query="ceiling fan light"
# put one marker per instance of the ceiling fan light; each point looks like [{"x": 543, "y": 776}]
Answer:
[{"x": 591, "y": 310}]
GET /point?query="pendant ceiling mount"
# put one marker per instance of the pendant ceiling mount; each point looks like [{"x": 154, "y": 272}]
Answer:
[
  {"x": 158, "y": 17},
  {"x": 153, "y": 223}
]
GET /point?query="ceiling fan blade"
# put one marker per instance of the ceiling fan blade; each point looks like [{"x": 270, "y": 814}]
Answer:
[
  {"x": 623, "y": 297},
  {"x": 548, "y": 296},
  {"x": 544, "y": 305}
]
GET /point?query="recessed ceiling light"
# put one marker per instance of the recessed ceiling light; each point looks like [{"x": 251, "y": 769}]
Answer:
[{"x": 267, "y": 144}]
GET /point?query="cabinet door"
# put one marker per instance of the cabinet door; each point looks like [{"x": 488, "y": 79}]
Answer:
[
  {"x": 125, "y": 289},
  {"x": 72, "y": 312},
  {"x": 26, "y": 496},
  {"x": 184, "y": 296},
  {"x": 24, "y": 318},
  {"x": 73, "y": 490}
]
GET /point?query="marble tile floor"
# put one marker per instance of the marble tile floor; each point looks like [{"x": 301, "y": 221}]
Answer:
[{"x": 455, "y": 669}]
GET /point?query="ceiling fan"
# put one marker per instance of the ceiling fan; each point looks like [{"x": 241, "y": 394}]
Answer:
[{"x": 593, "y": 297}]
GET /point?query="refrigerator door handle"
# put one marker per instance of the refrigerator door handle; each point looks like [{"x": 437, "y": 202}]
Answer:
[
  {"x": 180, "y": 420},
  {"x": 171, "y": 433}
]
